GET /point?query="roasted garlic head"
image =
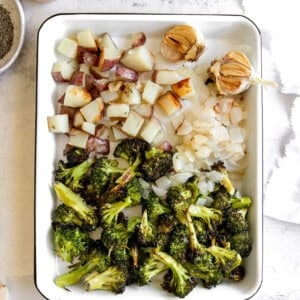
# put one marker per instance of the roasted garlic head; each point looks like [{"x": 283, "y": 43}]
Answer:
[
  {"x": 233, "y": 74},
  {"x": 182, "y": 42}
]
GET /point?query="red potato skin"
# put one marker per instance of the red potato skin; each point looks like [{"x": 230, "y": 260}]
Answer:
[
  {"x": 61, "y": 99},
  {"x": 87, "y": 56},
  {"x": 98, "y": 145},
  {"x": 139, "y": 39},
  {"x": 126, "y": 74},
  {"x": 106, "y": 64},
  {"x": 77, "y": 78},
  {"x": 57, "y": 77}
]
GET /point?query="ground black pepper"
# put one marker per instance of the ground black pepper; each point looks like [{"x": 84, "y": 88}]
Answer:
[{"x": 6, "y": 32}]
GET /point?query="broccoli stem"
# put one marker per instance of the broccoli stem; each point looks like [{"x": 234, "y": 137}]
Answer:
[{"x": 75, "y": 275}]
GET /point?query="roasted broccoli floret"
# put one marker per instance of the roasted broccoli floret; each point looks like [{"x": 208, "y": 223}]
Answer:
[
  {"x": 76, "y": 156},
  {"x": 75, "y": 201},
  {"x": 66, "y": 215},
  {"x": 109, "y": 212},
  {"x": 71, "y": 242},
  {"x": 237, "y": 274},
  {"x": 179, "y": 243},
  {"x": 236, "y": 221},
  {"x": 103, "y": 173},
  {"x": 154, "y": 207},
  {"x": 179, "y": 199},
  {"x": 96, "y": 260},
  {"x": 178, "y": 280},
  {"x": 203, "y": 234},
  {"x": 73, "y": 176},
  {"x": 150, "y": 268},
  {"x": 114, "y": 236},
  {"x": 210, "y": 216},
  {"x": 192, "y": 186},
  {"x": 157, "y": 163},
  {"x": 145, "y": 231},
  {"x": 113, "y": 279},
  {"x": 132, "y": 149},
  {"x": 134, "y": 190},
  {"x": 203, "y": 264},
  {"x": 227, "y": 258},
  {"x": 166, "y": 223},
  {"x": 242, "y": 243},
  {"x": 221, "y": 200}
]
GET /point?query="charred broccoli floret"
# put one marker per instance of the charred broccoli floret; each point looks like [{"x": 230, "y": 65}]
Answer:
[
  {"x": 66, "y": 215},
  {"x": 236, "y": 221},
  {"x": 150, "y": 268},
  {"x": 132, "y": 149},
  {"x": 71, "y": 242},
  {"x": 210, "y": 216},
  {"x": 103, "y": 173},
  {"x": 109, "y": 212},
  {"x": 179, "y": 199},
  {"x": 240, "y": 203},
  {"x": 226, "y": 182},
  {"x": 76, "y": 156},
  {"x": 96, "y": 260},
  {"x": 179, "y": 243},
  {"x": 242, "y": 243},
  {"x": 73, "y": 176},
  {"x": 157, "y": 163},
  {"x": 178, "y": 280},
  {"x": 227, "y": 258},
  {"x": 113, "y": 279},
  {"x": 75, "y": 201},
  {"x": 237, "y": 274},
  {"x": 154, "y": 207}
]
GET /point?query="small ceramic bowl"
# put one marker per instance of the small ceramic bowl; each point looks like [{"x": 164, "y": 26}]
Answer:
[{"x": 16, "y": 12}]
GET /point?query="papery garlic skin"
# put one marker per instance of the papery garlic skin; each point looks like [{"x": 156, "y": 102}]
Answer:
[{"x": 182, "y": 42}]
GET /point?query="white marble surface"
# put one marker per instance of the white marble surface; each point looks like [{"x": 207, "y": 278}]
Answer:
[{"x": 17, "y": 117}]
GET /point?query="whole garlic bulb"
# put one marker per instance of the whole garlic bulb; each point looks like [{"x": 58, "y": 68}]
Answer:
[
  {"x": 182, "y": 42},
  {"x": 233, "y": 74}
]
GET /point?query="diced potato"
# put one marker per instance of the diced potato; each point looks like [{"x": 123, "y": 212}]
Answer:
[
  {"x": 151, "y": 129},
  {"x": 151, "y": 92},
  {"x": 92, "y": 112},
  {"x": 108, "y": 96},
  {"x": 84, "y": 68},
  {"x": 76, "y": 96},
  {"x": 165, "y": 77},
  {"x": 88, "y": 127},
  {"x": 78, "y": 138},
  {"x": 68, "y": 47},
  {"x": 183, "y": 87},
  {"x": 139, "y": 59},
  {"x": 117, "y": 110},
  {"x": 109, "y": 57},
  {"x": 58, "y": 123},
  {"x": 130, "y": 94},
  {"x": 78, "y": 119},
  {"x": 105, "y": 41},
  {"x": 133, "y": 124},
  {"x": 169, "y": 103},
  {"x": 86, "y": 39},
  {"x": 145, "y": 110},
  {"x": 62, "y": 71},
  {"x": 119, "y": 134}
]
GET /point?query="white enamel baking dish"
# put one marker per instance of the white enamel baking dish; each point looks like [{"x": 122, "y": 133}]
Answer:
[{"x": 222, "y": 33}]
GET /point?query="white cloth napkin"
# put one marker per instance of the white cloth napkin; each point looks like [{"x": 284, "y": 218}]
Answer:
[
  {"x": 282, "y": 197},
  {"x": 280, "y": 22}
]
